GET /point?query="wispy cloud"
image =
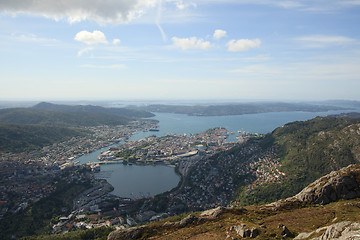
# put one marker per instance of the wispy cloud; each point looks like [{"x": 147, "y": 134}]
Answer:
[
  {"x": 352, "y": 2},
  {"x": 346, "y": 70},
  {"x": 257, "y": 69},
  {"x": 114, "y": 66},
  {"x": 158, "y": 18},
  {"x": 84, "y": 50},
  {"x": 32, "y": 38},
  {"x": 324, "y": 40}
]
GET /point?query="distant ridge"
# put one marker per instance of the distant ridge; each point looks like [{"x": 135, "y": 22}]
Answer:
[
  {"x": 240, "y": 108},
  {"x": 124, "y": 112}
]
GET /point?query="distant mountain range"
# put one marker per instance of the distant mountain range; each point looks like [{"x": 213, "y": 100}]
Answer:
[
  {"x": 66, "y": 115},
  {"x": 240, "y": 108}
]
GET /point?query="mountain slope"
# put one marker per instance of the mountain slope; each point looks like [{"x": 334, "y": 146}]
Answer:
[
  {"x": 296, "y": 215},
  {"x": 59, "y": 118},
  {"x": 306, "y": 150},
  {"x": 20, "y": 137},
  {"x": 123, "y": 112}
]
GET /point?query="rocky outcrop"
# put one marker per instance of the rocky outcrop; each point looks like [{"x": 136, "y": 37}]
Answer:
[
  {"x": 129, "y": 233},
  {"x": 341, "y": 184},
  {"x": 244, "y": 232},
  {"x": 188, "y": 220},
  {"x": 342, "y": 231},
  {"x": 285, "y": 232},
  {"x": 213, "y": 213},
  {"x": 137, "y": 232}
]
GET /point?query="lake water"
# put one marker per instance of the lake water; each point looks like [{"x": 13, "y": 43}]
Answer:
[{"x": 138, "y": 181}]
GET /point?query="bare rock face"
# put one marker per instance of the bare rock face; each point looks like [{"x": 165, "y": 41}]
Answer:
[
  {"x": 244, "y": 232},
  {"x": 341, "y": 231},
  {"x": 213, "y": 213},
  {"x": 341, "y": 184},
  {"x": 188, "y": 220},
  {"x": 285, "y": 232},
  {"x": 129, "y": 233}
]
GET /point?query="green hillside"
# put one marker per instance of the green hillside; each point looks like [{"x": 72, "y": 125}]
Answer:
[
  {"x": 123, "y": 112},
  {"x": 307, "y": 151},
  {"x": 21, "y": 137},
  {"x": 59, "y": 118}
]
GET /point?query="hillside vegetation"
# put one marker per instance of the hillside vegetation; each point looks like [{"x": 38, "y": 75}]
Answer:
[
  {"x": 21, "y": 137},
  {"x": 307, "y": 151},
  {"x": 123, "y": 112},
  {"x": 23, "y": 129},
  {"x": 59, "y": 118}
]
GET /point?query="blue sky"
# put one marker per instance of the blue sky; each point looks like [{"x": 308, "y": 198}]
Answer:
[{"x": 180, "y": 49}]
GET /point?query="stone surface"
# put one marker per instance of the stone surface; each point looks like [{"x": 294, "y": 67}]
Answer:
[
  {"x": 254, "y": 233},
  {"x": 188, "y": 220},
  {"x": 341, "y": 184},
  {"x": 213, "y": 213},
  {"x": 129, "y": 233},
  {"x": 244, "y": 232},
  {"x": 339, "y": 231}
]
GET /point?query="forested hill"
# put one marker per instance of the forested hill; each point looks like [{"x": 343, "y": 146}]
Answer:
[
  {"x": 58, "y": 118},
  {"x": 306, "y": 150},
  {"x": 21, "y": 137},
  {"x": 123, "y": 112},
  {"x": 24, "y": 129}
]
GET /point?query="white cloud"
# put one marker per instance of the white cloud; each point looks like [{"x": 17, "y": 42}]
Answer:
[
  {"x": 219, "y": 34},
  {"x": 91, "y": 38},
  {"x": 109, "y": 11},
  {"x": 114, "y": 66},
  {"x": 242, "y": 44},
  {"x": 181, "y": 4},
  {"x": 116, "y": 41},
  {"x": 191, "y": 43},
  {"x": 84, "y": 50}
]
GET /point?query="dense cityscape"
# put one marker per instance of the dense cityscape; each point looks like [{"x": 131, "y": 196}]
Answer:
[
  {"x": 207, "y": 181},
  {"x": 31, "y": 176},
  {"x": 27, "y": 177}
]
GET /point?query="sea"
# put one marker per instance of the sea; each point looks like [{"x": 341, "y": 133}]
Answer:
[{"x": 136, "y": 181}]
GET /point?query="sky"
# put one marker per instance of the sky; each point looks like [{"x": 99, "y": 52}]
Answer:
[{"x": 179, "y": 49}]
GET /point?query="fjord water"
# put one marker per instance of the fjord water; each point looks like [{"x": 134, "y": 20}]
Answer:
[{"x": 137, "y": 181}]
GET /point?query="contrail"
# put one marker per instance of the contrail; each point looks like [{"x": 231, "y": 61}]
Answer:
[{"x": 158, "y": 17}]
